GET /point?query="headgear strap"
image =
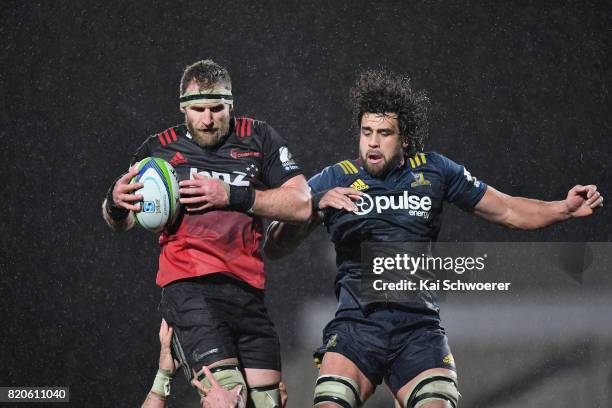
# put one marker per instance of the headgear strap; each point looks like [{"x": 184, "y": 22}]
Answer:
[{"x": 212, "y": 95}]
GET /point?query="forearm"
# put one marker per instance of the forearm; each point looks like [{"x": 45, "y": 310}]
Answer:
[
  {"x": 161, "y": 385},
  {"x": 154, "y": 401},
  {"x": 117, "y": 225},
  {"x": 527, "y": 214},
  {"x": 282, "y": 237},
  {"x": 284, "y": 204}
]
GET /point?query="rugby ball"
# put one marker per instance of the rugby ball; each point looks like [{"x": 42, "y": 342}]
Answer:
[{"x": 160, "y": 194}]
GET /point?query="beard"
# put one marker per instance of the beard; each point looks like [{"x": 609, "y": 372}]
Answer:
[
  {"x": 380, "y": 170},
  {"x": 210, "y": 138}
]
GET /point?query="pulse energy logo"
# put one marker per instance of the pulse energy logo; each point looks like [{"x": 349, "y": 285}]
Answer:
[{"x": 416, "y": 206}]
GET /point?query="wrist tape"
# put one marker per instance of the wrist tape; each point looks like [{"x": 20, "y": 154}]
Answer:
[
  {"x": 116, "y": 213},
  {"x": 161, "y": 385},
  {"x": 241, "y": 198}
]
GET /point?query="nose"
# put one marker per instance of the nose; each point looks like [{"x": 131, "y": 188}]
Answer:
[
  {"x": 207, "y": 117},
  {"x": 374, "y": 141}
]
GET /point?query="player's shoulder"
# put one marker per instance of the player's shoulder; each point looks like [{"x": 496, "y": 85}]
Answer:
[
  {"x": 435, "y": 162},
  {"x": 427, "y": 160},
  {"x": 168, "y": 136},
  {"x": 245, "y": 126},
  {"x": 347, "y": 167},
  {"x": 338, "y": 174},
  {"x": 344, "y": 169}
]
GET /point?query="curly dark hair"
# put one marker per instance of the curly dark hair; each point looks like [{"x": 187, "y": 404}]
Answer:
[
  {"x": 205, "y": 73},
  {"x": 380, "y": 91}
]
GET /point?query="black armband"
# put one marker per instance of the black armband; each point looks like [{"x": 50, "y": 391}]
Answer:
[
  {"x": 116, "y": 213},
  {"x": 241, "y": 198}
]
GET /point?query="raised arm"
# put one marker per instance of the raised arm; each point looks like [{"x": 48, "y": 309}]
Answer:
[
  {"x": 526, "y": 213},
  {"x": 156, "y": 398}
]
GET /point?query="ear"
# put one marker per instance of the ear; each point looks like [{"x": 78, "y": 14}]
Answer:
[
  {"x": 182, "y": 110},
  {"x": 405, "y": 148}
]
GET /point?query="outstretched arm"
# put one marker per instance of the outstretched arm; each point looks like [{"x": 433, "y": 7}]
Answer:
[
  {"x": 282, "y": 238},
  {"x": 525, "y": 213},
  {"x": 167, "y": 367}
]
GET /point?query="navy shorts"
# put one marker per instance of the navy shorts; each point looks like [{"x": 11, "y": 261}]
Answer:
[
  {"x": 387, "y": 342},
  {"x": 215, "y": 317}
]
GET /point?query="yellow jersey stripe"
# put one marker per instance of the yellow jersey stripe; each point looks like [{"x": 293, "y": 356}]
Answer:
[
  {"x": 343, "y": 167},
  {"x": 417, "y": 160},
  {"x": 423, "y": 158},
  {"x": 349, "y": 167},
  {"x": 352, "y": 167}
]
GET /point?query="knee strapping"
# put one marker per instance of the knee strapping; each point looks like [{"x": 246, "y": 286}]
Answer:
[
  {"x": 228, "y": 376},
  {"x": 342, "y": 391},
  {"x": 433, "y": 388},
  {"x": 265, "y": 397}
]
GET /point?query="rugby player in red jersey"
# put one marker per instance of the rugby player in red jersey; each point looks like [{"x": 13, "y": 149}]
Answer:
[{"x": 233, "y": 171}]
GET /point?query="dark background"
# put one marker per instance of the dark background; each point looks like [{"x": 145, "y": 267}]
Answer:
[{"x": 519, "y": 90}]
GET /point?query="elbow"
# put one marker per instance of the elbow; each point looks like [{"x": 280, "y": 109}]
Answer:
[
  {"x": 271, "y": 247},
  {"x": 272, "y": 253},
  {"x": 107, "y": 218},
  {"x": 117, "y": 226},
  {"x": 509, "y": 220},
  {"x": 522, "y": 214},
  {"x": 513, "y": 217},
  {"x": 516, "y": 224},
  {"x": 275, "y": 246},
  {"x": 510, "y": 224},
  {"x": 273, "y": 250}
]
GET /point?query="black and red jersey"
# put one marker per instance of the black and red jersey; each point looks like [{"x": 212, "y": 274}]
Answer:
[{"x": 253, "y": 154}]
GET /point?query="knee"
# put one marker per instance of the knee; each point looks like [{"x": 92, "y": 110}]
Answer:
[
  {"x": 333, "y": 391},
  {"x": 228, "y": 376},
  {"x": 435, "y": 391},
  {"x": 265, "y": 397}
]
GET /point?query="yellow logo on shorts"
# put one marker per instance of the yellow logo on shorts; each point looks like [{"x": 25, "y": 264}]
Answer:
[
  {"x": 448, "y": 359},
  {"x": 332, "y": 341}
]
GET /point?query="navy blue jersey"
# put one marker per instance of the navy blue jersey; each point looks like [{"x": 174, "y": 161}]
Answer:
[{"x": 404, "y": 206}]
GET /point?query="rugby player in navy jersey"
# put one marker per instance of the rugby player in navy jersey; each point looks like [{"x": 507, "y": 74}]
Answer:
[
  {"x": 233, "y": 171},
  {"x": 394, "y": 192}
]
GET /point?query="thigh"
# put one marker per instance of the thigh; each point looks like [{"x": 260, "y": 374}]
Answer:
[
  {"x": 418, "y": 350},
  {"x": 202, "y": 335},
  {"x": 258, "y": 345},
  {"x": 360, "y": 340},
  {"x": 257, "y": 377}
]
